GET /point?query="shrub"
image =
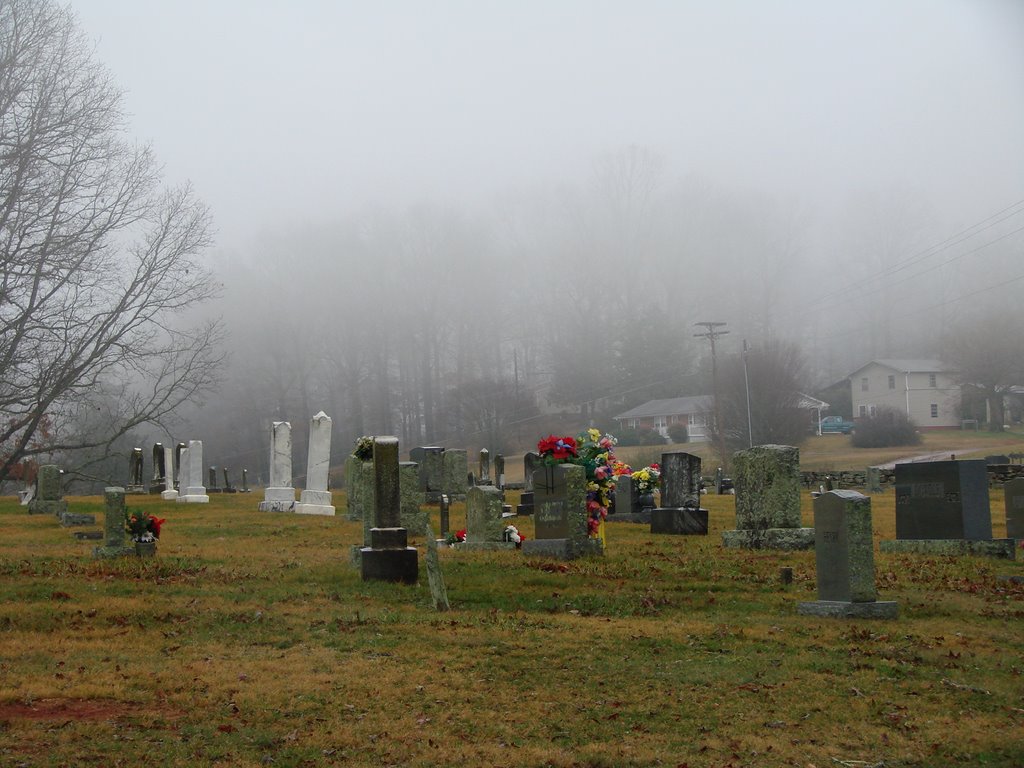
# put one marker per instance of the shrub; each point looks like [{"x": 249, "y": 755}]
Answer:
[
  {"x": 885, "y": 427},
  {"x": 640, "y": 436},
  {"x": 679, "y": 433}
]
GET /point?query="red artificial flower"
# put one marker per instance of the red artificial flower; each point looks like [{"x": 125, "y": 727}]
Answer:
[
  {"x": 155, "y": 523},
  {"x": 460, "y": 535},
  {"x": 557, "y": 447}
]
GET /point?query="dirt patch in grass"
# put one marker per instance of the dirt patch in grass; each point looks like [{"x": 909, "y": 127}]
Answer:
[{"x": 81, "y": 709}]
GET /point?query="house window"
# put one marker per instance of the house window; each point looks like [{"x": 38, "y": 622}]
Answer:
[
  {"x": 661, "y": 423},
  {"x": 863, "y": 411},
  {"x": 935, "y": 410},
  {"x": 931, "y": 380},
  {"x": 864, "y": 384},
  {"x": 892, "y": 381}
]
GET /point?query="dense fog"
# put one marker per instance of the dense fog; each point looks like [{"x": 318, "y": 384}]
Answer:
[{"x": 443, "y": 221}]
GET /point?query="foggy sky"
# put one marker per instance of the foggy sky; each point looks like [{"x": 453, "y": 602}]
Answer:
[{"x": 284, "y": 114}]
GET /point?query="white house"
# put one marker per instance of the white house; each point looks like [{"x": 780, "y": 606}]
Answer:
[{"x": 925, "y": 390}]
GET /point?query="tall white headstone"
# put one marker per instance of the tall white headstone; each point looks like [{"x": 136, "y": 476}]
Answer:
[
  {"x": 279, "y": 495},
  {"x": 182, "y": 474},
  {"x": 316, "y": 499},
  {"x": 191, "y": 488},
  {"x": 169, "y": 494}
]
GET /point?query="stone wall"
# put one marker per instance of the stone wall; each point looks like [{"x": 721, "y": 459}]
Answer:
[{"x": 857, "y": 478}]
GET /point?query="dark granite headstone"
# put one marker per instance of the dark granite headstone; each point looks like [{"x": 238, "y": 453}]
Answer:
[
  {"x": 1014, "y": 495},
  {"x": 551, "y": 511},
  {"x": 485, "y": 467},
  {"x": 212, "y": 487},
  {"x": 680, "y": 480},
  {"x": 159, "y": 482},
  {"x": 943, "y": 500}
]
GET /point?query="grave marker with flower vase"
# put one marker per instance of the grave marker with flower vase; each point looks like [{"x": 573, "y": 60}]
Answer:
[{"x": 572, "y": 491}]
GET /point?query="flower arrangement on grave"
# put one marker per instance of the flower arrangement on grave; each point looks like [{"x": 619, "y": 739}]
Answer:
[
  {"x": 364, "y": 448},
  {"x": 645, "y": 480},
  {"x": 142, "y": 526},
  {"x": 512, "y": 534},
  {"x": 456, "y": 538},
  {"x": 593, "y": 452}
]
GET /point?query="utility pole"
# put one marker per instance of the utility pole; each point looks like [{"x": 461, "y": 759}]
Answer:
[
  {"x": 712, "y": 333},
  {"x": 746, "y": 381}
]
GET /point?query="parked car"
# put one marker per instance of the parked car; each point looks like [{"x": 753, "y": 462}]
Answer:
[{"x": 831, "y": 425}]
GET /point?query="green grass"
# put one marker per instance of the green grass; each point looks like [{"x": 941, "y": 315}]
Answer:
[{"x": 250, "y": 641}]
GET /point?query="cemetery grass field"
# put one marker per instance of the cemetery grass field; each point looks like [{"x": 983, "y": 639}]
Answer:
[{"x": 250, "y": 641}]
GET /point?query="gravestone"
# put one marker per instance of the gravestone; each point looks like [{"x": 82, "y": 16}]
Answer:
[
  {"x": 560, "y": 514},
  {"x": 211, "y": 483},
  {"x": 388, "y": 558},
  {"x": 178, "y": 467},
  {"x": 182, "y": 470},
  {"x": 844, "y": 559},
  {"x": 531, "y": 462},
  {"x": 245, "y": 481},
  {"x": 766, "y": 479},
  {"x": 413, "y": 516},
  {"x": 485, "y": 527},
  {"x": 484, "y": 478},
  {"x": 115, "y": 536},
  {"x": 438, "y": 592},
  {"x": 874, "y": 479},
  {"x": 627, "y": 497},
  {"x": 443, "y": 504},
  {"x": 159, "y": 481},
  {"x": 680, "y": 513},
  {"x": 279, "y": 495},
  {"x": 135, "y": 472},
  {"x": 316, "y": 499},
  {"x": 430, "y": 459},
  {"x": 942, "y": 507},
  {"x": 228, "y": 487},
  {"x": 195, "y": 491},
  {"x": 49, "y": 495},
  {"x": 456, "y": 470},
  {"x": 499, "y": 471},
  {"x": 1013, "y": 492}
]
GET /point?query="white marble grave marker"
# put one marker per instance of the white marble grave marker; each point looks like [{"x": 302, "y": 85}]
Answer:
[{"x": 316, "y": 499}]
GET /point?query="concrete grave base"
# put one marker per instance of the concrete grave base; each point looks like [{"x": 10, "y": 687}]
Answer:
[
  {"x": 390, "y": 564},
  {"x": 103, "y": 553},
  {"x": 842, "y": 610},
  {"x": 314, "y": 509},
  {"x": 631, "y": 517},
  {"x": 88, "y": 535},
  {"x": 679, "y": 521},
  {"x": 193, "y": 498},
  {"x": 277, "y": 506},
  {"x": 134, "y": 490},
  {"x": 44, "y": 507},
  {"x": 770, "y": 538},
  {"x": 280, "y": 499},
  {"x": 71, "y": 520},
  {"x": 561, "y": 549},
  {"x": 485, "y": 546},
  {"x": 170, "y": 495},
  {"x": 1004, "y": 548}
]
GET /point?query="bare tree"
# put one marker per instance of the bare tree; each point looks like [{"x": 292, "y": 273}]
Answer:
[
  {"x": 98, "y": 260},
  {"x": 988, "y": 354}
]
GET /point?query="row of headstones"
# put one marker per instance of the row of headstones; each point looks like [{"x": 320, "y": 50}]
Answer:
[
  {"x": 177, "y": 473},
  {"x": 279, "y": 494},
  {"x": 941, "y": 506}
]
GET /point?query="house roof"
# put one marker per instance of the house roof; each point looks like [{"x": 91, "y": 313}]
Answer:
[
  {"x": 806, "y": 401},
  {"x": 909, "y": 365},
  {"x": 672, "y": 406}
]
